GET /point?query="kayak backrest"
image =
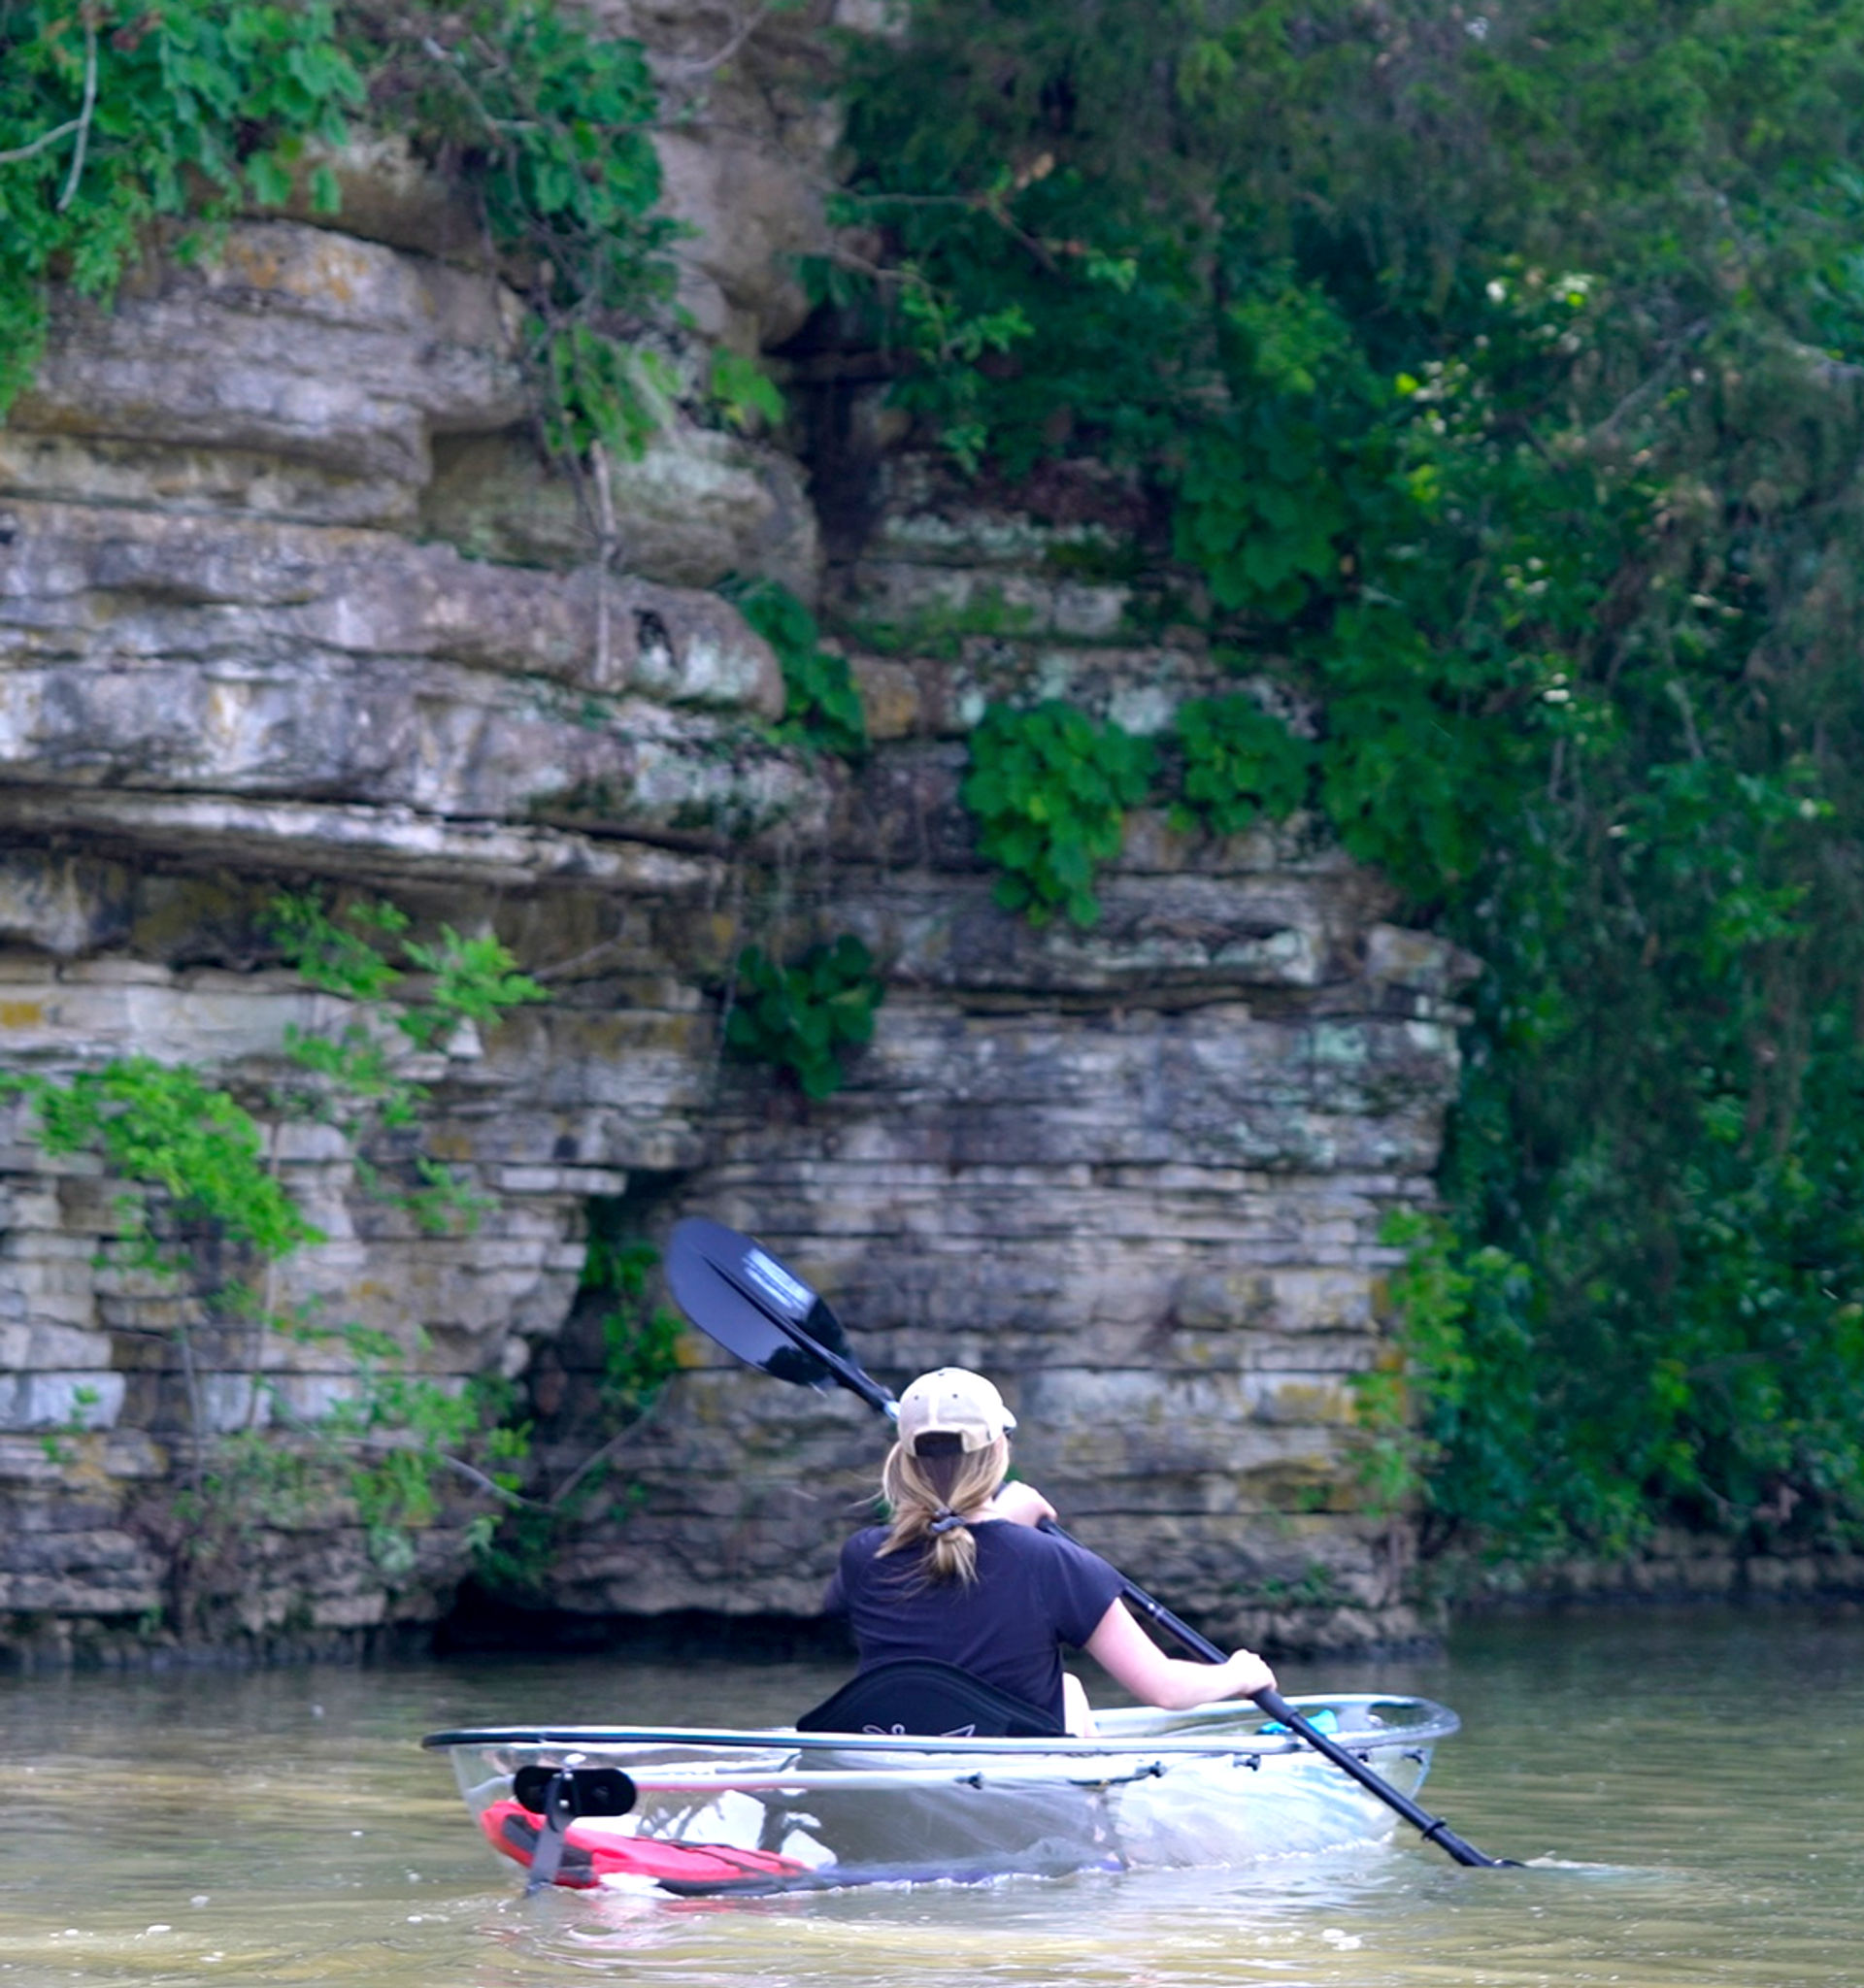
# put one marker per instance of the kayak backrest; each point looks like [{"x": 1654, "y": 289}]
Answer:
[{"x": 920, "y": 1695}]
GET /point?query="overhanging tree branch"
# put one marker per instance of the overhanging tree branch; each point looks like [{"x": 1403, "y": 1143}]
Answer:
[{"x": 85, "y": 114}]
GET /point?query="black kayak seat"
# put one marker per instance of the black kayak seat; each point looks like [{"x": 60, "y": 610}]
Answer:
[{"x": 921, "y": 1696}]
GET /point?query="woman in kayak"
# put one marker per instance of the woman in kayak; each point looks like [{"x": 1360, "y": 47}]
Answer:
[{"x": 962, "y": 1574}]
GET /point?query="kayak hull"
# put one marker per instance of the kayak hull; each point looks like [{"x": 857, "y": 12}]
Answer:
[{"x": 1151, "y": 1790}]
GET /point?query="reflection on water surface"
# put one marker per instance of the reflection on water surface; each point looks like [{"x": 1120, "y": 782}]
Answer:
[{"x": 1690, "y": 1780}]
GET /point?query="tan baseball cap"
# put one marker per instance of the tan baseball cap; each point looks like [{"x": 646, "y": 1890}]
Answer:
[{"x": 953, "y": 1400}]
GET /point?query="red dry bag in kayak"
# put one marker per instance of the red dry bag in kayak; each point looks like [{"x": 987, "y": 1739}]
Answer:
[{"x": 593, "y": 1850}]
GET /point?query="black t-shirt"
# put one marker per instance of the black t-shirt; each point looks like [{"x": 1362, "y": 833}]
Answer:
[{"x": 1033, "y": 1593}]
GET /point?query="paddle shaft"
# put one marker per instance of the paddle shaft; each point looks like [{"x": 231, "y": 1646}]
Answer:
[
  {"x": 850, "y": 1374},
  {"x": 1434, "y": 1829}
]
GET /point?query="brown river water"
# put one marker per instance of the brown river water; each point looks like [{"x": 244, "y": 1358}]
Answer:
[{"x": 1690, "y": 1787}]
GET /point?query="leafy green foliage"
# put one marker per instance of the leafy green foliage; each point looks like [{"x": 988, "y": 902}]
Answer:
[
  {"x": 822, "y": 706},
  {"x": 1502, "y": 387},
  {"x": 474, "y": 980},
  {"x": 1240, "y": 764},
  {"x": 1267, "y": 493},
  {"x": 1050, "y": 788},
  {"x": 1427, "y": 1370},
  {"x": 640, "y": 1340},
  {"x": 806, "y": 1018},
  {"x": 356, "y": 1081},
  {"x": 115, "y": 117},
  {"x": 744, "y": 393},
  {"x": 162, "y": 1126},
  {"x": 547, "y": 124},
  {"x": 197, "y": 109},
  {"x": 195, "y": 1165}
]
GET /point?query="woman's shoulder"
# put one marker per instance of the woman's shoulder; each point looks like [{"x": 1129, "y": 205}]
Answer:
[
  {"x": 1030, "y": 1542},
  {"x": 1029, "y": 1547},
  {"x": 863, "y": 1546}
]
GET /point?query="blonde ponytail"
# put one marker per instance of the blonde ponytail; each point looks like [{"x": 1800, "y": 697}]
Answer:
[{"x": 935, "y": 1498}]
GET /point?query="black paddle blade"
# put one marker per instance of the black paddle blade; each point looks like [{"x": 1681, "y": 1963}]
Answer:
[{"x": 735, "y": 1291}]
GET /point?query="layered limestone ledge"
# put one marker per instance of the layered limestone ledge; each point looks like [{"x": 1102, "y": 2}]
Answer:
[
  {"x": 101, "y": 1400},
  {"x": 1158, "y": 1230},
  {"x": 294, "y": 341},
  {"x": 55, "y": 902},
  {"x": 188, "y": 654},
  {"x": 286, "y": 598},
  {"x": 302, "y": 375}
]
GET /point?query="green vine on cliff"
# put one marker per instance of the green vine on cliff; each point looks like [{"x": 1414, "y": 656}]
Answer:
[
  {"x": 114, "y": 115},
  {"x": 1242, "y": 765},
  {"x": 116, "y": 119},
  {"x": 356, "y": 1081},
  {"x": 640, "y": 1338},
  {"x": 822, "y": 706},
  {"x": 201, "y": 1196},
  {"x": 1050, "y": 788},
  {"x": 806, "y": 1018},
  {"x": 547, "y": 126}
]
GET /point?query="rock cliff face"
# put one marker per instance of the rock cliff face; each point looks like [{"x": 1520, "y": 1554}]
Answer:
[{"x": 286, "y": 596}]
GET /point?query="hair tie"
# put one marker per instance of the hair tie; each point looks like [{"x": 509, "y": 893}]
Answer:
[{"x": 943, "y": 1520}]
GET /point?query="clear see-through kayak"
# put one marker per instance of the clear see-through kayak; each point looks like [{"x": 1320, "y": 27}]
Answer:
[{"x": 698, "y": 1811}]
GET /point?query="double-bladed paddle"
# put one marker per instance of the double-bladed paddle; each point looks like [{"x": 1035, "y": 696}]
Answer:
[{"x": 736, "y": 1292}]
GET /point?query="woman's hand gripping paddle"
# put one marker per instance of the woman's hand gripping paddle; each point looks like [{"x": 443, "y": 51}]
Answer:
[{"x": 736, "y": 1292}]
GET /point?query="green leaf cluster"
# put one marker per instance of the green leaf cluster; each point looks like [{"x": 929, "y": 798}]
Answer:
[
  {"x": 1502, "y": 389},
  {"x": 639, "y": 1339},
  {"x": 1242, "y": 765},
  {"x": 116, "y": 118},
  {"x": 163, "y": 1126},
  {"x": 356, "y": 1080},
  {"x": 547, "y": 124},
  {"x": 744, "y": 393},
  {"x": 807, "y": 1019},
  {"x": 1050, "y": 788},
  {"x": 197, "y": 109},
  {"x": 821, "y": 706}
]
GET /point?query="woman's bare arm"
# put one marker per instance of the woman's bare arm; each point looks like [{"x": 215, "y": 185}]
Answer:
[{"x": 1128, "y": 1655}]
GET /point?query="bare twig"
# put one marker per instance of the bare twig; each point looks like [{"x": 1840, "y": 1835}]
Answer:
[
  {"x": 748, "y": 26},
  {"x": 1679, "y": 695},
  {"x": 1671, "y": 355},
  {"x": 497, "y": 126},
  {"x": 560, "y": 1495},
  {"x": 39, "y": 145},
  {"x": 490, "y": 1485},
  {"x": 991, "y": 206},
  {"x": 581, "y": 959},
  {"x": 196, "y": 1407},
  {"x": 604, "y": 558},
  {"x": 85, "y": 114}
]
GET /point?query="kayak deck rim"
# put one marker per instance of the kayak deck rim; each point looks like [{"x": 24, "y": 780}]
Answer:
[{"x": 1430, "y": 1723}]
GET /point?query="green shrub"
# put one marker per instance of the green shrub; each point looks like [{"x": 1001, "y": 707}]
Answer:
[
  {"x": 805, "y": 1019},
  {"x": 116, "y": 118},
  {"x": 640, "y": 1342},
  {"x": 1050, "y": 788},
  {"x": 822, "y": 705},
  {"x": 1240, "y": 765},
  {"x": 1501, "y": 389}
]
